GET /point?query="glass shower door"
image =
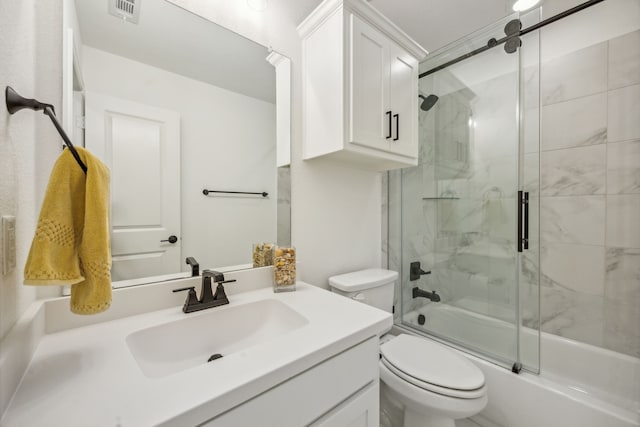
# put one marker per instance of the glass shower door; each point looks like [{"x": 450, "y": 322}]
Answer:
[{"x": 459, "y": 207}]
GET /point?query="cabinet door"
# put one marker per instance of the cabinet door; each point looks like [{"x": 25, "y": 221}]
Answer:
[
  {"x": 369, "y": 86},
  {"x": 361, "y": 410},
  {"x": 403, "y": 95}
]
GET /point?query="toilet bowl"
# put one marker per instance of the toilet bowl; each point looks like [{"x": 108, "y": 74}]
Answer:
[{"x": 432, "y": 384}]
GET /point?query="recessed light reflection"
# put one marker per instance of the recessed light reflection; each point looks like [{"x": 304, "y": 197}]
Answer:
[{"x": 522, "y": 5}]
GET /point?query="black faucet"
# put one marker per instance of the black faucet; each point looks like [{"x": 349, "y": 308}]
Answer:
[
  {"x": 207, "y": 298},
  {"x": 195, "y": 267},
  {"x": 417, "y": 292}
]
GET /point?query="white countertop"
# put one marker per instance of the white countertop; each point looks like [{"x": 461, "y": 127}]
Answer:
[{"x": 87, "y": 376}]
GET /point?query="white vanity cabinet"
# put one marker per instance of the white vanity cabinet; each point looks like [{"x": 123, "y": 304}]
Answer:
[
  {"x": 340, "y": 391},
  {"x": 360, "y": 87},
  {"x": 360, "y": 410}
]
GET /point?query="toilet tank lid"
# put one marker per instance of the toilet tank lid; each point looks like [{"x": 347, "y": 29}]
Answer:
[{"x": 363, "y": 279}]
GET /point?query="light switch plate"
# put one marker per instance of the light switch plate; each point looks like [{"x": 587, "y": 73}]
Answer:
[{"x": 8, "y": 244}]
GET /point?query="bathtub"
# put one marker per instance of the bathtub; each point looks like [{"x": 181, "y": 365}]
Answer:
[{"x": 578, "y": 385}]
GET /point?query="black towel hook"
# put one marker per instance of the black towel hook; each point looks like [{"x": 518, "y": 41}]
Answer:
[{"x": 15, "y": 102}]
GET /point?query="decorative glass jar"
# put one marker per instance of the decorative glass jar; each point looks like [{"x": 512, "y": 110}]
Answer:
[
  {"x": 263, "y": 254},
  {"x": 284, "y": 269}
]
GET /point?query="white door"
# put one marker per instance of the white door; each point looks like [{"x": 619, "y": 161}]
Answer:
[
  {"x": 403, "y": 101},
  {"x": 369, "y": 112},
  {"x": 141, "y": 146}
]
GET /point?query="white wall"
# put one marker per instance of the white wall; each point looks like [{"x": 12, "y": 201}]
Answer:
[
  {"x": 335, "y": 210},
  {"x": 71, "y": 44},
  {"x": 228, "y": 143},
  {"x": 28, "y": 142}
]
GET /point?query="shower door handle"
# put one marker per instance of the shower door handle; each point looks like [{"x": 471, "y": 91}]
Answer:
[
  {"x": 525, "y": 239},
  {"x": 397, "y": 117},
  {"x": 523, "y": 220},
  {"x": 388, "y": 113}
]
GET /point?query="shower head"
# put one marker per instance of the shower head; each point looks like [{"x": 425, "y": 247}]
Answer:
[{"x": 428, "y": 102}]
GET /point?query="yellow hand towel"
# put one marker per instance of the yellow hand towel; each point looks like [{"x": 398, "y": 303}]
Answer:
[{"x": 71, "y": 244}]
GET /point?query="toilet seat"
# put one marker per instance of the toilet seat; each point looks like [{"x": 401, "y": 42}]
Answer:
[
  {"x": 449, "y": 392},
  {"x": 425, "y": 402},
  {"x": 432, "y": 367}
]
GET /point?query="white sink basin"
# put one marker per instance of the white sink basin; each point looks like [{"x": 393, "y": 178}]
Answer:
[{"x": 189, "y": 342}]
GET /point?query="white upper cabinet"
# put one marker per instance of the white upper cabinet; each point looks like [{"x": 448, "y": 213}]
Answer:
[
  {"x": 360, "y": 87},
  {"x": 369, "y": 78}
]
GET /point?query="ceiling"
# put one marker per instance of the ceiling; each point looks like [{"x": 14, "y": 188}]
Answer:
[
  {"x": 436, "y": 23},
  {"x": 432, "y": 23},
  {"x": 175, "y": 40},
  {"x": 210, "y": 53}
]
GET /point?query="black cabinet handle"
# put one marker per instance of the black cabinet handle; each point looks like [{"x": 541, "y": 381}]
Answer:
[
  {"x": 388, "y": 113},
  {"x": 397, "y": 117},
  {"x": 172, "y": 239}
]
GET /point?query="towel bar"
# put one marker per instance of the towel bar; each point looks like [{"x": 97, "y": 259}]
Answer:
[
  {"x": 206, "y": 192},
  {"x": 15, "y": 102}
]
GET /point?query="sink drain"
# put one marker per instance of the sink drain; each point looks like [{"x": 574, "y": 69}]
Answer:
[{"x": 214, "y": 357}]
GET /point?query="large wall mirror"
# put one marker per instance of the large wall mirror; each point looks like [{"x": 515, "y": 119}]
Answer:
[{"x": 173, "y": 113}]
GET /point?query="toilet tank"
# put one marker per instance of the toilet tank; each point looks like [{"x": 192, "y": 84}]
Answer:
[{"x": 373, "y": 286}]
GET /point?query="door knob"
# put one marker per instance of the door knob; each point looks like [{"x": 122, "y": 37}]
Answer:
[{"x": 172, "y": 239}]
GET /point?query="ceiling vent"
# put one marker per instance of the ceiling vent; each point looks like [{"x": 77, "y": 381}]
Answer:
[{"x": 127, "y": 10}]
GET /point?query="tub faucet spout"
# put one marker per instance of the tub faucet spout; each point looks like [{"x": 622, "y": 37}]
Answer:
[{"x": 433, "y": 296}]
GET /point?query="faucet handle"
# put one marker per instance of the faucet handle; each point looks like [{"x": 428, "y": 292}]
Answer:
[
  {"x": 190, "y": 288},
  {"x": 220, "y": 292},
  {"x": 415, "y": 271},
  {"x": 192, "y": 297}
]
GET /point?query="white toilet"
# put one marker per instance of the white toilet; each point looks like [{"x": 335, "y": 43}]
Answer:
[{"x": 433, "y": 384}]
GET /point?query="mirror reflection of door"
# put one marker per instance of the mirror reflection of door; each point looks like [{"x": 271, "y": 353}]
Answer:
[{"x": 141, "y": 146}]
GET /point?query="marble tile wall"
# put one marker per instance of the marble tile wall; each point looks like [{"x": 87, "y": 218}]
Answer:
[
  {"x": 391, "y": 221},
  {"x": 590, "y": 194},
  {"x": 284, "y": 206}
]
